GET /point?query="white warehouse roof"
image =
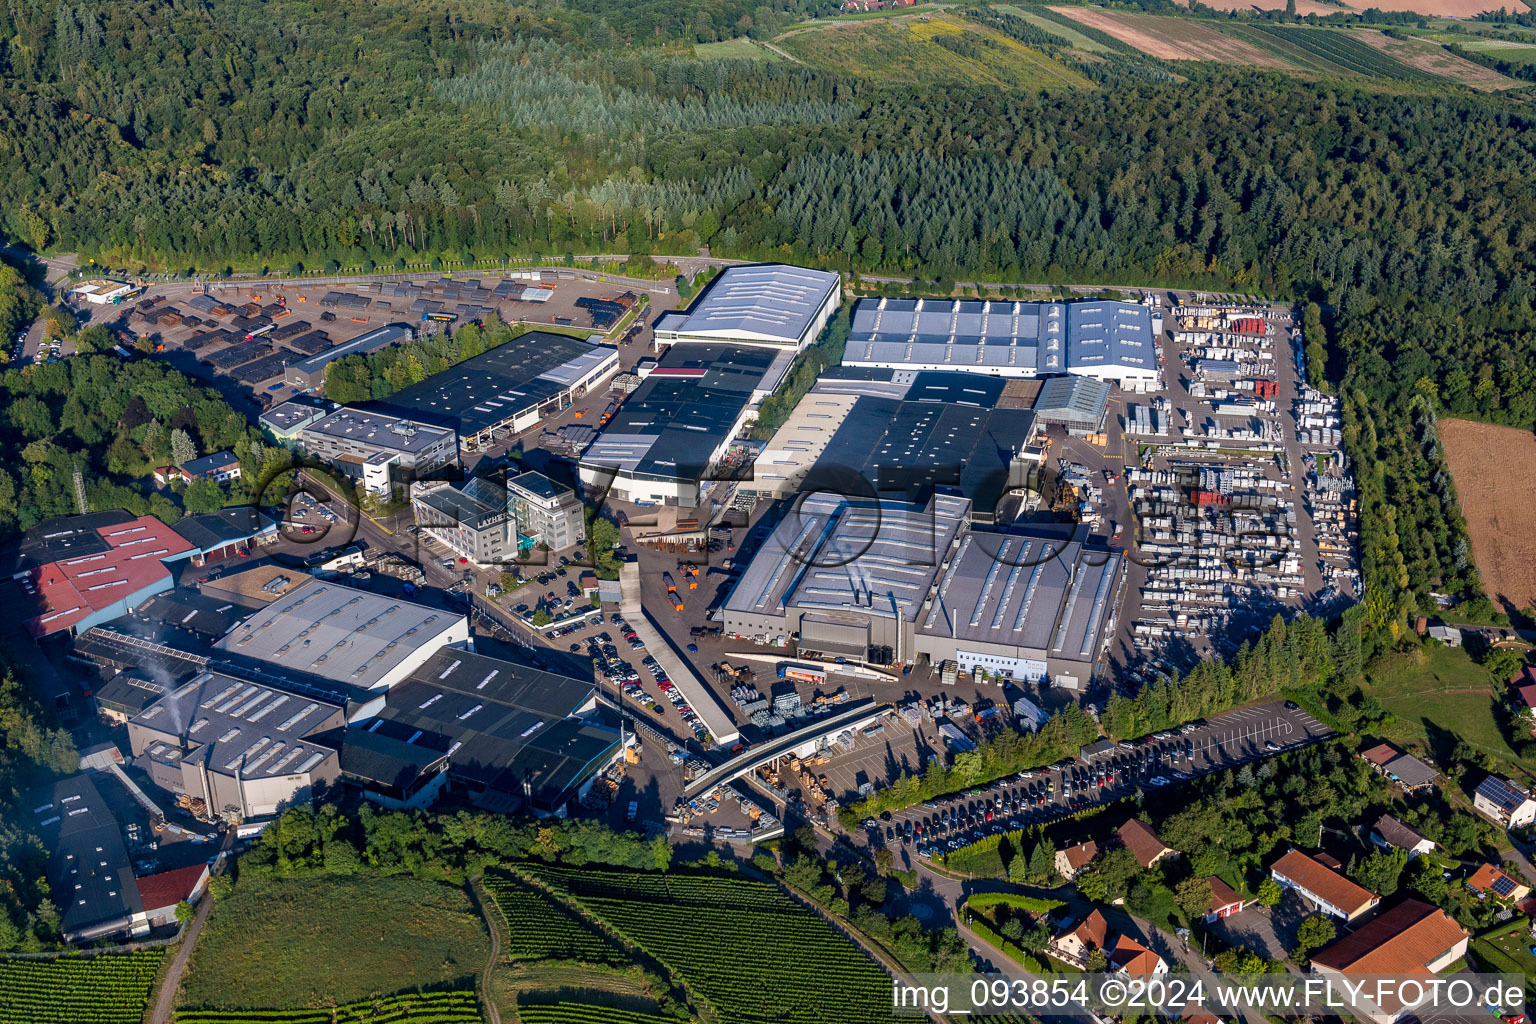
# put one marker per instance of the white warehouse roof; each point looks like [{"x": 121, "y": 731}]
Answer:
[{"x": 772, "y": 303}]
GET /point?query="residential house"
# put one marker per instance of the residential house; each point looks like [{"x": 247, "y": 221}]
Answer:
[
  {"x": 1504, "y": 802},
  {"x": 1131, "y": 959},
  {"x": 1412, "y": 939},
  {"x": 1224, "y": 901},
  {"x": 1321, "y": 885},
  {"x": 1071, "y": 861},
  {"x": 1389, "y": 833},
  {"x": 1407, "y": 771},
  {"x": 1073, "y": 944},
  {"x": 220, "y": 466},
  {"x": 1492, "y": 880},
  {"x": 1144, "y": 843}
]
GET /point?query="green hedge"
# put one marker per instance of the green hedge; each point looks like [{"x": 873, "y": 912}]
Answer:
[{"x": 1034, "y": 904}]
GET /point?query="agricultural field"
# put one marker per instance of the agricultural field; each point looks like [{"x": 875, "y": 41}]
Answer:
[
  {"x": 941, "y": 49},
  {"x": 740, "y": 47},
  {"x": 1495, "y": 472},
  {"x": 776, "y": 963},
  {"x": 1437, "y": 61},
  {"x": 1499, "y": 49},
  {"x": 1439, "y": 695},
  {"x": 1303, "y": 7},
  {"x": 412, "y": 1008},
  {"x": 291, "y": 943},
  {"x": 1329, "y": 50},
  {"x": 541, "y": 929},
  {"x": 584, "y": 1013},
  {"x": 113, "y": 988},
  {"x": 1174, "y": 38}
]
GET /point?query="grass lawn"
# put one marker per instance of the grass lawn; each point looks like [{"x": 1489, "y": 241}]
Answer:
[
  {"x": 510, "y": 983},
  {"x": 1511, "y": 942},
  {"x": 312, "y": 942},
  {"x": 733, "y": 48},
  {"x": 1440, "y": 695}
]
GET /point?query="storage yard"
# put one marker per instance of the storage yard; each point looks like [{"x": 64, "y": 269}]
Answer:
[
  {"x": 1242, "y": 498},
  {"x": 273, "y": 340}
]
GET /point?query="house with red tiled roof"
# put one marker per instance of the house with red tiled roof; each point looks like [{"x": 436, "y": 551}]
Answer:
[
  {"x": 1491, "y": 880},
  {"x": 1412, "y": 939},
  {"x": 1224, "y": 900},
  {"x": 1073, "y": 943},
  {"x": 1071, "y": 861},
  {"x": 1144, "y": 843},
  {"x": 1133, "y": 960},
  {"x": 1321, "y": 885}
]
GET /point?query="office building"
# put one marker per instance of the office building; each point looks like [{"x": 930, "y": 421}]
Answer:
[
  {"x": 545, "y": 512},
  {"x": 379, "y": 450},
  {"x": 284, "y": 423},
  {"x": 470, "y": 517}
]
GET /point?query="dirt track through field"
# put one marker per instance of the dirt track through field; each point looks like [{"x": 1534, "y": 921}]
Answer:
[
  {"x": 1495, "y": 472},
  {"x": 1173, "y": 38}
]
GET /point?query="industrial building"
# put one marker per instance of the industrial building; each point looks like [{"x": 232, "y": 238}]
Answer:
[
  {"x": 944, "y": 431},
  {"x": 661, "y": 442},
  {"x": 507, "y": 390},
  {"x": 222, "y": 534},
  {"x": 378, "y": 450},
  {"x": 239, "y": 749},
  {"x": 771, "y": 305},
  {"x": 308, "y": 374},
  {"x": 102, "y": 293},
  {"x": 1079, "y": 405},
  {"x": 284, "y": 423},
  {"x": 89, "y": 872},
  {"x": 364, "y": 642},
  {"x": 849, "y": 577},
  {"x": 70, "y": 573},
  {"x": 1030, "y": 604},
  {"x": 896, "y": 582},
  {"x": 516, "y": 738},
  {"x": 469, "y": 516},
  {"x": 1109, "y": 341}
]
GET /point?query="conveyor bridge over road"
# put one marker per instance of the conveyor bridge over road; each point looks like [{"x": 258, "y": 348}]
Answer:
[{"x": 802, "y": 742}]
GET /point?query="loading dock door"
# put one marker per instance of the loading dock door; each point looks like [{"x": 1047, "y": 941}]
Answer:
[{"x": 835, "y": 639}]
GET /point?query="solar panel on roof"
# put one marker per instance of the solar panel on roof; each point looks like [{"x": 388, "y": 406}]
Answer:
[{"x": 1503, "y": 886}]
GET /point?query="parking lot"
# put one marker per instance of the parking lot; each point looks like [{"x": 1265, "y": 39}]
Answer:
[{"x": 1039, "y": 797}]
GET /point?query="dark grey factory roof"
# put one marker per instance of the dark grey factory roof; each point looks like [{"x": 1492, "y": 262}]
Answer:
[
  {"x": 209, "y": 531},
  {"x": 88, "y": 867},
  {"x": 504, "y": 723},
  {"x": 1038, "y": 588},
  {"x": 130, "y": 692},
  {"x": 180, "y": 613},
  {"x": 493, "y": 386},
  {"x": 945, "y": 441},
  {"x": 233, "y": 725},
  {"x": 774, "y": 302},
  {"x": 390, "y": 753},
  {"x": 683, "y": 411},
  {"x": 390, "y": 334},
  {"x": 62, "y": 537}
]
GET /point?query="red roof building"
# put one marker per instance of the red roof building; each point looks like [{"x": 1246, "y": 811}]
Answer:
[
  {"x": 1224, "y": 900},
  {"x": 1330, "y": 891},
  {"x": 1411, "y": 939},
  {"x": 70, "y": 573},
  {"x": 160, "y": 893}
]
